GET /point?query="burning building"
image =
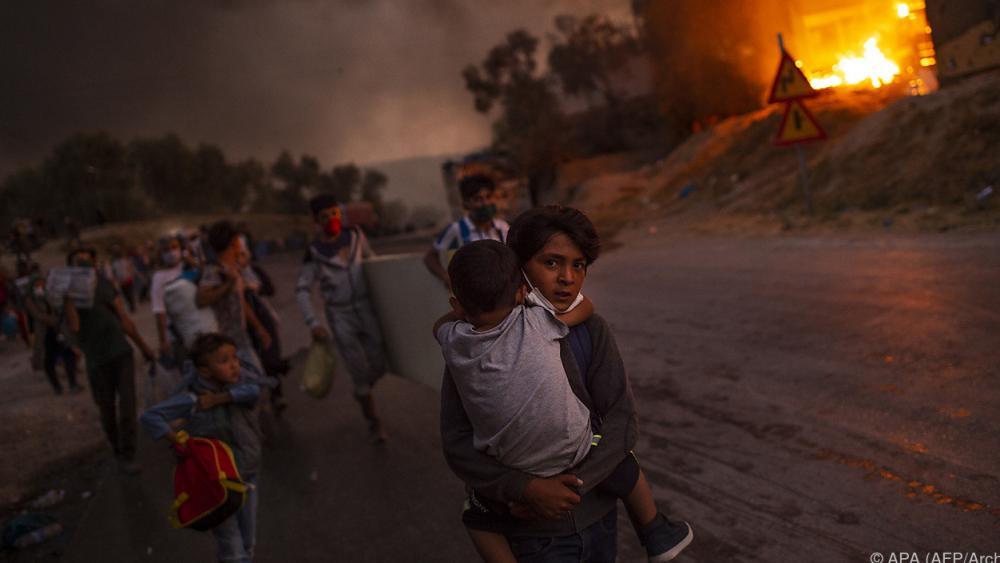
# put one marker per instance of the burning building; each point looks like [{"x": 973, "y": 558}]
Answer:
[
  {"x": 717, "y": 57},
  {"x": 863, "y": 43}
]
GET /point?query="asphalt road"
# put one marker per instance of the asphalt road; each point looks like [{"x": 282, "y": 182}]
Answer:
[
  {"x": 815, "y": 399},
  {"x": 801, "y": 399}
]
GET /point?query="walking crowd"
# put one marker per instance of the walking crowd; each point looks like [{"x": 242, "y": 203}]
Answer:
[{"x": 537, "y": 415}]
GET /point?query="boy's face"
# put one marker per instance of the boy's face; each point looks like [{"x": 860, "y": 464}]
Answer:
[
  {"x": 222, "y": 366},
  {"x": 558, "y": 270},
  {"x": 231, "y": 253},
  {"x": 481, "y": 198},
  {"x": 243, "y": 254},
  {"x": 329, "y": 221},
  {"x": 324, "y": 215}
]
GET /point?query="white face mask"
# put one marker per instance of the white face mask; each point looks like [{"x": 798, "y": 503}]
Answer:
[
  {"x": 535, "y": 297},
  {"x": 39, "y": 292}
]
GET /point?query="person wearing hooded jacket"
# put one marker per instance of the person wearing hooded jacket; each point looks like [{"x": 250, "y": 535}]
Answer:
[{"x": 334, "y": 261}]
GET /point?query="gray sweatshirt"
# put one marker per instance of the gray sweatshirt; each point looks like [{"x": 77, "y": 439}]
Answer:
[
  {"x": 341, "y": 277},
  {"x": 604, "y": 389},
  {"x": 513, "y": 386}
]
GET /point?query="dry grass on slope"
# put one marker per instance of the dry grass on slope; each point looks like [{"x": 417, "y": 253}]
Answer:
[{"x": 906, "y": 157}]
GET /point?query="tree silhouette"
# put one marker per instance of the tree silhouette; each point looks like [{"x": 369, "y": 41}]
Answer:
[
  {"x": 372, "y": 186},
  {"x": 530, "y": 124},
  {"x": 587, "y": 53}
]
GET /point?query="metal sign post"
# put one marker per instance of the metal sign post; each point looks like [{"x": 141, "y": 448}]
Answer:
[
  {"x": 804, "y": 176},
  {"x": 798, "y": 125}
]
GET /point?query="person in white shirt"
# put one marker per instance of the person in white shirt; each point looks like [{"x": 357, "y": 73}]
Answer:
[
  {"x": 170, "y": 265},
  {"x": 479, "y": 223}
]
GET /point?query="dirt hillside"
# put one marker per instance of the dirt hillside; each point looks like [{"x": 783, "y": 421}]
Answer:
[{"x": 915, "y": 163}]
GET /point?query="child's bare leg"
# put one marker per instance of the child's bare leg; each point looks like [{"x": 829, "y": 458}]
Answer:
[
  {"x": 662, "y": 538},
  {"x": 639, "y": 503},
  {"x": 493, "y": 548}
]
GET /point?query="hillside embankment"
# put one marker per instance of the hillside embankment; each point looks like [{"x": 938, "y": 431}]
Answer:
[{"x": 891, "y": 161}]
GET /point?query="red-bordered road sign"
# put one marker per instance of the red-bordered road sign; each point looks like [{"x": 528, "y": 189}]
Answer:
[
  {"x": 789, "y": 83},
  {"x": 798, "y": 126}
]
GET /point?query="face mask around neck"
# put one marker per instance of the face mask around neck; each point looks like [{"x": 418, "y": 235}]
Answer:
[{"x": 536, "y": 298}]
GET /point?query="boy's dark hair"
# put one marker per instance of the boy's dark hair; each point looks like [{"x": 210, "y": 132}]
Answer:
[
  {"x": 484, "y": 276},
  {"x": 221, "y": 235},
  {"x": 469, "y": 186},
  {"x": 82, "y": 250},
  {"x": 533, "y": 228},
  {"x": 321, "y": 202},
  {"x": 206, "y": 345}
]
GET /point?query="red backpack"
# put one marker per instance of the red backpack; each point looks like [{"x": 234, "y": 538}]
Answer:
[{"x": 207, "y": 485}]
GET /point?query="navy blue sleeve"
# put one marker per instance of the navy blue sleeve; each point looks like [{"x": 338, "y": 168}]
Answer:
[{"x": 582, "y": 346}]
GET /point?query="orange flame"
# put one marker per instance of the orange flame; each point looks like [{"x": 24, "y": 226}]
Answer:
[
  {"x": 872, "y": 66},
  {"x": 867, "y": 44}
]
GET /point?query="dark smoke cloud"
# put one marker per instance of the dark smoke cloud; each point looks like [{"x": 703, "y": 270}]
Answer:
[{"x": 361, "y": 80}]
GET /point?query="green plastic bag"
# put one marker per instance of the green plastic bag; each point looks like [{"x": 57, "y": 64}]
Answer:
[{"x": 317, "y": 378}]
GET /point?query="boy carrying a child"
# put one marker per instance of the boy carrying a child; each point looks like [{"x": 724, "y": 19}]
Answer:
[{"x": 505, "y": 360}]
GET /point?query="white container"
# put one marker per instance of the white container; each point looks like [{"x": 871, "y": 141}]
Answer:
[{"x": 407, "y": 301}]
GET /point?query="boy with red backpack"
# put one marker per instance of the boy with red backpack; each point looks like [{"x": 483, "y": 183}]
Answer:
[{"x": 217, "y": 401}]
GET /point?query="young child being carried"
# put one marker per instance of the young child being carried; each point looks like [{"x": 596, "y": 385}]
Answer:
[
  {"x": 506, "y": 364},
  {"x": 217, "y": 401}
]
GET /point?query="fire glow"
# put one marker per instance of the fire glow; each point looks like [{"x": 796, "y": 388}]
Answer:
[
  {"x": 868, "y": 44},
  {"x": 872, "y": 66}
]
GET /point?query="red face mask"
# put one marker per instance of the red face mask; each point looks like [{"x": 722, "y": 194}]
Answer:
[{"x": 333, "y": 226}]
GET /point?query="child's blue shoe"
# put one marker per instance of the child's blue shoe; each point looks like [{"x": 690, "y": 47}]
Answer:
[{"x": 664, "y": 539}]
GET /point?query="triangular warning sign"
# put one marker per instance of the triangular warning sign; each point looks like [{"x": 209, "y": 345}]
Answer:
[
  {"x": 798, "y": 126},
  {"x": 789, "y": 83}
]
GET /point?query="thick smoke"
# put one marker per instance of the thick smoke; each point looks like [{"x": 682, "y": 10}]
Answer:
[
  {"x": 359, "y": 80},
  {"x": 714, "y": 57}
]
